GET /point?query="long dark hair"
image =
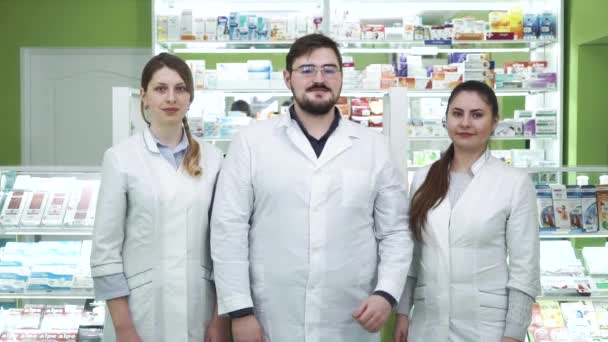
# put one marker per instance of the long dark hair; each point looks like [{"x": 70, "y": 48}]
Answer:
[
  {"x": 193, "y": 156},
  {"x": 434, "y": 189}
]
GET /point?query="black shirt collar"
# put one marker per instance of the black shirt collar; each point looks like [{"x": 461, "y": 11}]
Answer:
[
  {"x": 332, "y": 127},
  {"x": 317, "y": 144}
]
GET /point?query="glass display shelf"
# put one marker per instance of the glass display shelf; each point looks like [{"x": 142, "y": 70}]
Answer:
[
  {"x": 548, "y": 235},
  {"x": 358, "y": 46},
  {"x": 75, "y": 294},
  {"x": 44, "y": 230},
  {"x": 515, "y": 138}
]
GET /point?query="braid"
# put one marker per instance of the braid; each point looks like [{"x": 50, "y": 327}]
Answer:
[{"x": 193, "y": 156}]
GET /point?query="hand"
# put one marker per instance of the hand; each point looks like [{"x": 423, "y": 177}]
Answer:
[
  {"x": 247, "y": 329},
  {"x": 372, "y": 313},
  {"x": 509, "y": 339},
  {"x": 401, "y": 328},
  {"x": 127, "y": 334},
  {"x": 218, "y": 330}
]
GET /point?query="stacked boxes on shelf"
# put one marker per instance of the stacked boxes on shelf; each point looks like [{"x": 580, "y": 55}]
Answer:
[
  {"x": 45, "y": 266},
  {"x": 190, "y": 26}
]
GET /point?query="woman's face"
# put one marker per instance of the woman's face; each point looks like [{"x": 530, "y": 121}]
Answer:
[
  {"x": 470, "y": 122},
  {"x": 167, "y": 98}
]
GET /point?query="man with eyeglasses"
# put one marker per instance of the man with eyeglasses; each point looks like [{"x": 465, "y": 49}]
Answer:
[{"x": 309, "y": 232}]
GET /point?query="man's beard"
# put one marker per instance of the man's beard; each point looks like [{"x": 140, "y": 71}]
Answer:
[{"x": 315, "y": 107}]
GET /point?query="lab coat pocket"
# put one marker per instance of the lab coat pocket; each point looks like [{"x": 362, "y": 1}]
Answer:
[
  {"x": 356, "y": 188},
  {"x": 492, "y": 306}
]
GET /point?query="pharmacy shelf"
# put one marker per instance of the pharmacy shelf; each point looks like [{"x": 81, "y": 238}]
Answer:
[
  {"x": 47, "y": 231},
  {"x": 370, "y": 92},
  {"x": 569, "y": 169},
  {"x": 287, "y": 92},
  {"x": 574, "y": 298},
  {"x": 518, "y": 138},
  {"x": 600, "y": 234},
  {"x": 50, "y": 169},
  {"x": 358, "y": 46},
  {"x": 562, "y": 169},
  {"x": 499, "y": 92},
  {"x": 83, "y": 294}
]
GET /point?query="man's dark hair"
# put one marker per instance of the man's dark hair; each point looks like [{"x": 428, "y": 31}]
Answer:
[{"x": 305, "y": 45}]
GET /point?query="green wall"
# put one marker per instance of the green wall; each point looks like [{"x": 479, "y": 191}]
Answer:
[
  {"x": 591, "y": 106},
  {"x": 585, "y": 129},
  {"x": 59, "y": 23}
]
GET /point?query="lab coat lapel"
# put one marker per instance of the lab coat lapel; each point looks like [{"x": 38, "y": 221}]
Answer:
[
  {"x": 296, "y": 137},
  {"x": 338, "y": 142}
]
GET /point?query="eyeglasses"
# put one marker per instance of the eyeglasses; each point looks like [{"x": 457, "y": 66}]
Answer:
[{"x": 327, "y": 71}]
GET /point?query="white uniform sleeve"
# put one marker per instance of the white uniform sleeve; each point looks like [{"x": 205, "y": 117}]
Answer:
[
  {"x": 523, "y": 240},
  {"x": 232, "y": 210},
  {"x": 108, "y": 234},
  {"x": 391, "y": 228}
]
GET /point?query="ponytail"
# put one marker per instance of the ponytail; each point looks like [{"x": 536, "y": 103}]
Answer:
[
  {"x": 431, "y": 193},
  {"x": 193, "y": 156}
]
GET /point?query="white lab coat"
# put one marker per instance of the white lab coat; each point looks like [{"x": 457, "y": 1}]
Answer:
[
  {"x": 461, "y": 266},
  {"x": 304, "y": 239},
  {"x": 152, "y": 224}
]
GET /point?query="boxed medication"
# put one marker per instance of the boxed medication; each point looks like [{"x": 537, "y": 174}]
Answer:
[
  {"x": 589, "y": 208},
  {"x": 528, "y": 122},
  {"x": 575, "y": 208},
  {"x": 546, "y": 122},
  {"x": 602, "y": 206},
  {"x": 509, "y": 128},
  {"x": 173, "y": 28},
  {"x": 81, "y": 206},
  {"x": 162, "y": 28},
  {"x": 560, "y": 205},
  {"x": 187, "y": 25},
  {"x": 546, "y": 216}
]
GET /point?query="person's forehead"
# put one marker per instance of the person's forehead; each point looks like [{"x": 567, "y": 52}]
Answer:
[
  {"x": 165, "y": 74},
  {"x": 320, "y": 56},
  {"x": 467, "y": 99}
]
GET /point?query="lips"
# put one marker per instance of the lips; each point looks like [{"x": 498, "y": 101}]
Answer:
[
  {"x": 170, "y": 110},
  {"x": 318, "y": 89},
  {"x": 465, "y": 135}
]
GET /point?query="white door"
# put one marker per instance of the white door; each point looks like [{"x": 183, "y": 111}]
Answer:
[{"x": 66, "y": 101}]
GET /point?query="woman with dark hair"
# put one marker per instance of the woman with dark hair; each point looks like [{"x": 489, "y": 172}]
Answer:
[
  {"x": 475, "y": 271},
  {"x": 150, "y": 259}
]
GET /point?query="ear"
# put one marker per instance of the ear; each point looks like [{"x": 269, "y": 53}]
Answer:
[
  {"x": 495, "y": 120},
  {"x": 142, "y": 94},
  {"x": 287, "y": 79}
]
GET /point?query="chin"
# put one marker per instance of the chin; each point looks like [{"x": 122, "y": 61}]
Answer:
[{"x": 473, "y": 147}]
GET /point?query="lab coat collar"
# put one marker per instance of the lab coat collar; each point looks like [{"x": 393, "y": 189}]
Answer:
[
  {"x": 347, "y": 128},
  {"x": 476, "y": 167},
  {"x": 337, "y": 142},
  {"x": 183, "y": 144},
  {"x": 149, "y": 141}
]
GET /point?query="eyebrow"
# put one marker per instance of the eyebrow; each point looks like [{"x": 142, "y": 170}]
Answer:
[
  {"x": 313, "y": 65},
  {"x": 472, "y": 110},
  {"x": 165, "y": 84}
]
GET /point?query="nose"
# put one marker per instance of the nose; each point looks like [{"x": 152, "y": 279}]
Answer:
[
  {"x": 171, "y": 96},
  {"x": 319, "y": 77},
  {"x": 466, "y": 120}
]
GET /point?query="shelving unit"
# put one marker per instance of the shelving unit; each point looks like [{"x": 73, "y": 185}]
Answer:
[
  {"x": 65, "y": 295},
  {"x": 25, "y": 258}
]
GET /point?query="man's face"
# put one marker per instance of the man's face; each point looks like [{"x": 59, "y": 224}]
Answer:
[{"x": 315, "y": 81}]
